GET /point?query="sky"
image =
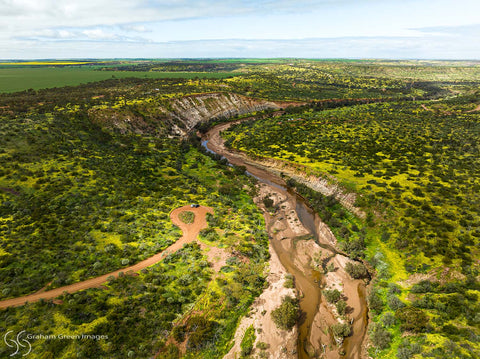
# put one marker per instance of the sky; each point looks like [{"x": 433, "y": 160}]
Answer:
[{"x": 391, "y": 29}]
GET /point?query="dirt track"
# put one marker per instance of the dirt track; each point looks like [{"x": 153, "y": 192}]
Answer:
[{"x": 190, "y": 232}]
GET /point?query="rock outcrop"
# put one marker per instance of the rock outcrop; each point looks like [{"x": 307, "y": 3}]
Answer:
[
  {"x": 191, "y": 110},
  {"x": 178, "y": 116}
]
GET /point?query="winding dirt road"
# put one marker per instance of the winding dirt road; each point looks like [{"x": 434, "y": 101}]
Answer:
[{"x": 190, "y": 233}]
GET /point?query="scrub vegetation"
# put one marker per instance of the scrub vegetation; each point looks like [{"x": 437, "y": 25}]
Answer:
[
  {"x": 416, "y": 172},
  {"x": 78, "y": 200}
]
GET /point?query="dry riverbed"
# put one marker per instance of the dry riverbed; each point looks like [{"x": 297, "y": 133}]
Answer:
[{"x": 299, "y": 253}]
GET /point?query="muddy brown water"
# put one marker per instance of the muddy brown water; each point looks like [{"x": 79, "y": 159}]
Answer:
[{"x": 306, "y": 280}]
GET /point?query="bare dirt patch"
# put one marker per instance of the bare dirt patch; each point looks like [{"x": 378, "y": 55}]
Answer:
[
  {"x": 217, "y": 256},
  {"x": 475, "y": 109}
]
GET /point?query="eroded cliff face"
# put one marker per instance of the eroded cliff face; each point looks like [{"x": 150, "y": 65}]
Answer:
[
  {"x": 191, "y": 110},
  {"x": 177, "y": 116}
]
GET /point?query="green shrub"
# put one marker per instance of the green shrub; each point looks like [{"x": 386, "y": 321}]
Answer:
[
  {"x": 424, "y": 286},
  {"x": 178, "y": 333},
  {"x": 341, "y": 330},
  {"x": 388, "y": 319},
  {"x": 332, "y": 296},
  {"x": 375, "y": 303},
  {"x": 286, "y": 315},
  {"x": 171, "y": 352},
  {"x": 407, "y": 350},
  {"x": 289, "y": 281},
  {"x": 268, "y": 202},
  {"x": 355, "y": 248},
  {"x": 394, "y": 288},
  {"x": 413, "y": 319},
  {"x": 248, "y": 339},
  {"x": 380, "y": 337},
  {"x": 187, "y": 217},
  {"x": 201, "y": 332},
  {"x": 341, "y": 307},
  {"x": 262, "y": 346},
  {"x": 357, "y": 270},
  {"x": 394, "y": 302}
]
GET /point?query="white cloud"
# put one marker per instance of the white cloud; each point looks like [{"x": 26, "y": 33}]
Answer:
[
  {"x": 350, "y": 47},
  {"x": 99, "y": 34},
  {"x": 31, "y": 28},
  {"x": 134, "y": 28}
]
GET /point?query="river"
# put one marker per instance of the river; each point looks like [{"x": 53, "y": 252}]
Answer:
[{"x": 307, "y": 280}]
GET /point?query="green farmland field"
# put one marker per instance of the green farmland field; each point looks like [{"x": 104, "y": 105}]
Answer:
[{"x": 20, "y": 79}]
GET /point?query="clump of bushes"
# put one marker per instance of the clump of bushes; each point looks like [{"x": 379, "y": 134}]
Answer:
[
  {"x": 380, "y": 337},
  {"x": 289, "y": 281},
  {"x": 332, "y": 296},
  {"x": 357, "y": 270},
  {"x": 286, "y": 315},
  {"x": 246, "y": 345},
  {"x": 187, "y": 217}
]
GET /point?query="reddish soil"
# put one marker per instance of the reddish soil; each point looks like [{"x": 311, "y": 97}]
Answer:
[
  {"x": 190, "y": 232},
  {"x": 475, "y": 109}
]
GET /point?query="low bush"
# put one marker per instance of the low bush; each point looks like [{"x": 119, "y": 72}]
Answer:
[
  {"x": 246, "y": 345},
  {"x": 413, "y": 319},
  {"x": 332, "y": 296},
  {"x": 356, "y": 271},
  {"x": 286, "y": 315},
  {"x": 380, "y": 337},
  {"x": 341, "y": 330}
]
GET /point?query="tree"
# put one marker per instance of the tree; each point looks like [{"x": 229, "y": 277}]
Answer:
[
  {"x": 332, "y": 296},
  {"x": 380, "y": 337},
  {"x": 340, "y": 330},
  {"x": 413, "y": 319},
  {"x": 285, "y": 316},
  {"x": 341, "y": 307},
  {"x": 268, "y": 202},
  {"x": 375, "y": 303},
  {"x": 356, "y": 271}
]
